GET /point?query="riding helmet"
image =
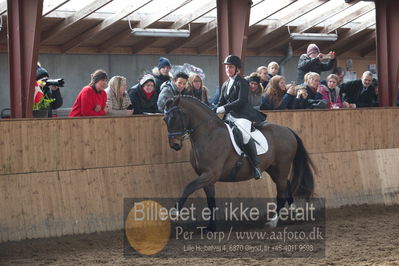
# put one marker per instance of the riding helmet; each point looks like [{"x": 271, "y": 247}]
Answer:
[{"x": 232, "y": 60}]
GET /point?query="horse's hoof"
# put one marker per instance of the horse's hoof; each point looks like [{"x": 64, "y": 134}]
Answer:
[
  {"x": 273, "y": 222},
  {"x": 174, "y": 213}
]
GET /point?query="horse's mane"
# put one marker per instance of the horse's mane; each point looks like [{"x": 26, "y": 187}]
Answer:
[{"x": 197, "y": 102}]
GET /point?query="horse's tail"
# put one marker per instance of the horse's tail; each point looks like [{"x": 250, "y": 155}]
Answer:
[{"x": 302, "y": 183}]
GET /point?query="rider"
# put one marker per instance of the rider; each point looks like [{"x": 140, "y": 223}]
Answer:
[{"x": 233, "y": 101}]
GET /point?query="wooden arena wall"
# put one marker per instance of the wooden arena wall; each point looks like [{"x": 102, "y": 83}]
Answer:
[{"x": 69, "y": 176}]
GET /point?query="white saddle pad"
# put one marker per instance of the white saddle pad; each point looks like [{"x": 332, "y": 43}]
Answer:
[{"x": 260, "y": 141}]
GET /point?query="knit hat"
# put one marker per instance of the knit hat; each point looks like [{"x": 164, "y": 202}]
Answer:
[
  {"x": 41, "y": 73},
  {"x": 312, "y": 48},
  {"x": 163, "y": 62},
  {"x": 146, "y": 78},
  {"x": 98, "y": 75}
]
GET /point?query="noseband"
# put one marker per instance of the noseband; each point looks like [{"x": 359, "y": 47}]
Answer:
[{"x": 186, "y": 131}]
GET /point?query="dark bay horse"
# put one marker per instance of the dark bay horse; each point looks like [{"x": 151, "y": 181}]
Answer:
[{"x": 213, "y": 156}]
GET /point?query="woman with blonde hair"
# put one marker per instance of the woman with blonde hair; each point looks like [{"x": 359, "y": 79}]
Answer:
[
  {"x": 272, "y": 69},
  {"x": 196, "y": 88},
  {"x": 330, "y": 93},
  {"x": 277, "y": 96},
  {"x": 118, "y": 101},
  {"x": 263, "y": 75}
]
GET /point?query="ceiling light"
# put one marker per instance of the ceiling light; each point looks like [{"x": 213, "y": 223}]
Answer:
[
  {"x": 314, "y": 36},
  {"x": 161, "y": 32}
]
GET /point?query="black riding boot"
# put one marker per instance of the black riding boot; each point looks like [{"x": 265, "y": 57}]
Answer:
[{"x": 250, "y": 151}]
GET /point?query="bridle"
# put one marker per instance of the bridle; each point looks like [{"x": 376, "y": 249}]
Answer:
[{"x": 185, "y": 133}]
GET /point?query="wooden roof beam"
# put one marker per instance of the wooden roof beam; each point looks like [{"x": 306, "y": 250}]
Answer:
[
  {"x": 210, "y": 44},
  {"x": 3, "y": 7},
  {"x": 270, "y": 10},
  {"x": 362, "y": 41},
  {"x": 277, "y": 41},
  {"x": 76, "y": 17},
  {"x": 204, "y": 30},
  {"x": 353, "y": 32},
  {"x": 53, "y": 5},
  {"x": 303, "y": 9},
  {"x": 366, "y": 51},
  {"x": 105, "y": 24},
  {"x": 349, "y": 18},
  {"x": 115, "y": 40},
  {"x": 47, "y": 9},
  {"x": 194, "y": 15},
  {"x": 327, "y": 11},
  {"x": 363, "y": 10},
  {"x": 160, "y": 15}
]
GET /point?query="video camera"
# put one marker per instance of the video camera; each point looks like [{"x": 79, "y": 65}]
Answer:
[{"x": 55, "y": 82}]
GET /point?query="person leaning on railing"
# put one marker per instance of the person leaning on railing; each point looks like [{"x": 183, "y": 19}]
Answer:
[
  {"x": 118, "y": 102},
  {"x": 144, "y": 96},
  {"x": 92, "y": 99}
]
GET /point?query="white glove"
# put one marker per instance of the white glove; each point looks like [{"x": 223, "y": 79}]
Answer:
[{"x": 220, "y": 110}]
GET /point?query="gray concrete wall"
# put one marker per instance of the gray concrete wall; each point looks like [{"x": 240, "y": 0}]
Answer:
[{"x": 76, "y": 69}]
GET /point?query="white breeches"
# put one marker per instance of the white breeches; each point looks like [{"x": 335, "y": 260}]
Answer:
[{"x": 244, "y": 125}]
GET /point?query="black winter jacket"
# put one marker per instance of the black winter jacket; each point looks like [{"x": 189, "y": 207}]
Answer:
[
  {"x": 307, "y": 64},
  {"x": 351, "y": 92},
  {"x": 140, "y": 103}
]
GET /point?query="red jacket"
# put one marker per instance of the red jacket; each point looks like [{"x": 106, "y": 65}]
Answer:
[{"x": 87, "y": 100}]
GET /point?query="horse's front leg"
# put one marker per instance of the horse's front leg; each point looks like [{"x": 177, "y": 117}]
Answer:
[
  {"x": 210, "y": 197},
  {"x": 202, "y": 181}
]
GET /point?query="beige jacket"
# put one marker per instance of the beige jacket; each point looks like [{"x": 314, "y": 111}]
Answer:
[{"x": 114, "y": 106}]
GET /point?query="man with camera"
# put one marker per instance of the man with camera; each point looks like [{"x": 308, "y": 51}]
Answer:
[{"x": 49, "y": 87}]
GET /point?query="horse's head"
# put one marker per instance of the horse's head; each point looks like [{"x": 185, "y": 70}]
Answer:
[{"x": 177, "y": 123}]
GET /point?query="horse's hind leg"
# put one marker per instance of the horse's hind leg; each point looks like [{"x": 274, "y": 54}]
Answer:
[
  {"x": 210, "y": 197},
  {"x": 279, "y": 176}
]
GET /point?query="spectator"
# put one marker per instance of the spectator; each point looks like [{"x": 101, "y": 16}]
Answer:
[
  {"x": 330, "y": 93},
  {"x": 161, "y": 73},
  {"x": 143, "y": 96},
  {"x": 255, "y": 90},
  {"x": 196, "y": 88},
  {"x": 92, "y": 99},
  {"x": 312, "y": 85},
  {"x": 339, "y": 72},
  {"x": 276, "y": 96},
  {"x": 174, "y": 87},
  {"x": 311, "y": 62},
  {"x": 118, "y": 102},
  {"x": 301, "y": 100},
  {"x": 272, "y": 69},
  {"x": 49, "y": 91},
  {"x": 262, "y": 73},
  {"x": 360, "y": 92},
  {"x": 312, "y": 99}
]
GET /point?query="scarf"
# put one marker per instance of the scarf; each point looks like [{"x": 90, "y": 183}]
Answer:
[{"x": 148, "y": 95}]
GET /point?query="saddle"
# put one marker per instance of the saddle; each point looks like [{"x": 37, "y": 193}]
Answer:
[{"x": 237, "y": 141}]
